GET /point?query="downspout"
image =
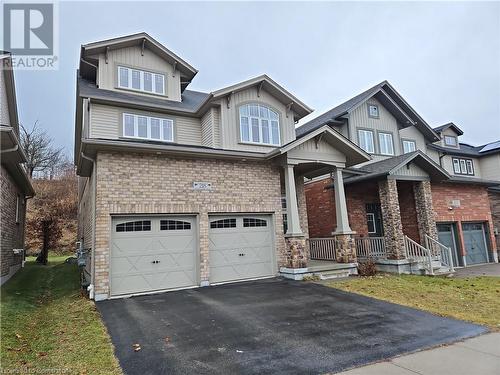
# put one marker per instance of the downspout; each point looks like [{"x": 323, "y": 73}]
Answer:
[
  {"x": 90, "y": 288},
  {"x": 441, "y": 156}
]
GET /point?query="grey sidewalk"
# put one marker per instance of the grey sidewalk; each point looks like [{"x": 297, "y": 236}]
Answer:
[
  {"x": 476, "y": 356},
  {"x": 490, "y": 269}
]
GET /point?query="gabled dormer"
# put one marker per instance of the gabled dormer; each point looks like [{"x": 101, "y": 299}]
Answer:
[
  {"x": 136, "y": 64},
  {"x": 448, "y": 134}
]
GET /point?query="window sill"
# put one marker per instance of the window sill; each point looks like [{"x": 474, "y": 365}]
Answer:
[
  {"x": 147, "y": 139},
  {"x": 134, "y": 91},
  {"x": 258, "y": 144}
]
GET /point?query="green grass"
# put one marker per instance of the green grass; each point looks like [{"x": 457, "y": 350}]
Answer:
[
  {"x": 46, "y": 323},
  {"x": 475, "y": 299}
]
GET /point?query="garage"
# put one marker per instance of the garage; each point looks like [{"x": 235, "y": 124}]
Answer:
[
  {"x": 241, "y": 247},
  {"x": 476, "y": 250},
  {"x": 153, "y": 253}
]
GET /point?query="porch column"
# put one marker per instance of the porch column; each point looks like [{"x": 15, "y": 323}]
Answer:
[
  {"x": 345, "y": 246},
  {"x": 391, "y": 215},
  {"x": 295, "y": 241},
  {"x": 425, "y": 212}
]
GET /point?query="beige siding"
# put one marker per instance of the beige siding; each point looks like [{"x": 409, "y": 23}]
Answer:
[
  {"x": 4, "y": 106},
  {"x": 490, "y": 167},
  {"x": 413, "y": 134},
  {"x": 448, "y": 132},
  {"x": 131, "y": 57},
  {"x": 230, "y": 120},
  {"x": 447, "y": 164},
  {"x": 216, "y": 124},
  {"x": 106, "y": 122},
  {"x": 207, "y": 124},
  {"x": 434, "y": 155},
  {"x": 411, "y": 171},
  {"x": 86, "y": 211},
  {"x": 322, "y": 152}
]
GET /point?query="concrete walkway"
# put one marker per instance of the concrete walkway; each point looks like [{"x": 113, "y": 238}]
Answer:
[
  {"x": 476, "y": 356},
  {"x": 490, "y": 269}
]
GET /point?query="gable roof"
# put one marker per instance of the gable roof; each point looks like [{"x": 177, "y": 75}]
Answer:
[
  {"x": 388, "y": 96},
  {"x": 442, "y": 128},
  {"x": 391, "y": 165},
  {"x": 144, "y": 40}
]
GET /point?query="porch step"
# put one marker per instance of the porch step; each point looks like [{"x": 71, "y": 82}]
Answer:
[{"x": 335, "y": 274}]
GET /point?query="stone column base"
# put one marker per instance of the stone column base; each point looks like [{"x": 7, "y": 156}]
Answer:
[
  {"x": 296, "y": 252},
  {"x": 345, "y": 248}
]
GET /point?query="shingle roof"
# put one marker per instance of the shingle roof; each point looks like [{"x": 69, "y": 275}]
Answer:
[
  {"x": 441, "y": 128},
  {"x": 465, "y": 149},
  {"x": 191, "y": 100}
]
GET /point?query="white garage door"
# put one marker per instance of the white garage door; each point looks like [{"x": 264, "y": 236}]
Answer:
[
  {"x": 241, "y": 247},
  {"x": 152, "y": 253}
]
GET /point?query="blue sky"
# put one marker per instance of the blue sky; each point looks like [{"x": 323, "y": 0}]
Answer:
[{"x": 444, "y": 58}]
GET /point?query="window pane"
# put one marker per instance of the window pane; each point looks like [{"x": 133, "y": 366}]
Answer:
[
  {"x": 273, "y": 115},
  {"x": 265, "y": 130},
  {"x": 244, "y": 110},
  {"x": 159, "y": 84},
  {"x": 275, "y": 132},
  {"x": 370, "y": 220},
  {"x": 123, "y": 77},
  {"x": 470, "y": 169},
  {"x": 155, "y": 128},
  {"x": 463, "y": 168},
  {"x": 373, "y": 110},
  {"x": 456, "y": 166},
  {"x": 168, "y": 130},
  {"x": 128, "y": 126},
  {"x": 450, "y": 141},
  {"x": 255, "y": 129},
  {"x": 245, "y": 132},
  {"x": 386, "y": 146},
  {"x": 142, "y": 127},
  {"x": 136, "y": 79},
  {"x": 254, "y": 110},
  {"x": 264, "y": 112},
  {"x": 366, "y": 140},
  {"x": 148, "y": 82}
]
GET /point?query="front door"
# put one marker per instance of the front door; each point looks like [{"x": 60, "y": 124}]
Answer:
[
  {"x": 446, "y": 235},
  {"x": 475, "y": 243},
  {"x": 374, "y": 220}
]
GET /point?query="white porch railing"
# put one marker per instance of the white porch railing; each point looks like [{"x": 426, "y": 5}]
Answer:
[
  {"x": 440, "y": 250},
  {"x": 322, "y": 248},
  {"x": 417, "y": 252},
  {"x": 370, "y": 247}
]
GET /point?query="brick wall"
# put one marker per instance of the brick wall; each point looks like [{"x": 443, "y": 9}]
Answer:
[
  {"x": 12, "y": 232},
  {"x": 145, "y": 183},
  {"x": 408, "y": 210},
  {"x": 474, "y": 206},
  {"x": 358, "y": 196},
  {"x": 495, "y": 213},
  {"x": 320, "y": 208}
]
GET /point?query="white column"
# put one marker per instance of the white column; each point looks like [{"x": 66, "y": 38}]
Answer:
[
  {"x": 291, "y": 203},
  {"x": 340, "y": 204}
]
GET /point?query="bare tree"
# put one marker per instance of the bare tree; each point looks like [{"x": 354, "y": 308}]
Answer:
[{"x": 42, "y": 155}]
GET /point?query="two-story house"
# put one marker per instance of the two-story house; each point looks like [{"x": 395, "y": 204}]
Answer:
[
  {"x": 180, "y": 188},
  {"x": 16, "y": 185},
  {"x": 422, "y": 192}
]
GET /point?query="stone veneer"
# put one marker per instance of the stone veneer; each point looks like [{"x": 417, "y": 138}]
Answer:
[
  {"x": 425, "y": 211},
  {"x": 345, "y": 248},
  {"x": 134, "y": 183},
  {"x": 495, "y": 213},
  {"x": 297, "y": 254},
  {"x": 393, "y": 228},
  {"x": 12, "y": 236}
]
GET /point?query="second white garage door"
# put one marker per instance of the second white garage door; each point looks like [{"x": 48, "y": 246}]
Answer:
[{"x": 241, "y": 247}]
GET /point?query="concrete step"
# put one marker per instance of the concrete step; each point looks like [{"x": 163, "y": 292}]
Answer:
[{"x": 336, "y": 274}]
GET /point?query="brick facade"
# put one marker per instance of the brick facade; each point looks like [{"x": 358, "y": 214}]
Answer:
[
  {"x": 495, "y": 213},
  {"x": 474, "y": 207},
  {"x": 134, "y": 183},
  {"x": 12, "y": 231},
  {"x": 408, "y": 212}
]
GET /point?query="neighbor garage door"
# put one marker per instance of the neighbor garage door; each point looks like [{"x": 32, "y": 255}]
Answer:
[
  {"x": 475, "y": 243},
  {"x": 152, "y": 253},
  {"x": 241, "y": 247}
]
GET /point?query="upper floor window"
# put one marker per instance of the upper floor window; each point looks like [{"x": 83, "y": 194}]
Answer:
[
  {"x": 463, "y": 166},
  {"x": 373, "y": 110},
  {"x": 386, "y": 144},
  {"x": 450, "y": 140},
  {"x": 141, "y": 80},
  {"x": 158, "y": 129},
  {"x": 366, "y": 142},
  {"x": 259, "y": 124},
  {"x": 409, "y": 146}
]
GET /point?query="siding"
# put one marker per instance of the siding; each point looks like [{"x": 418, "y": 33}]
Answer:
[
  {"x": 490, "y": 167},
  {"x": 131, "y": 56},
  {"x": 4, "y": 106},
  {"x": 106, "y": 123},
  {"x": 230, "y": 120},
  {"x": 216, "y": 125},
  {"x": 412, "y": 133},
  {"x": 323, "y": 152},
  {"x": 412, "y": 171},
  {"x": 207, "y": 126},
  {"x": 447, "y": 164}
]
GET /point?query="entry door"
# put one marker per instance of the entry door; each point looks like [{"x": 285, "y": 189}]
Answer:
[
  {"x": 446, "y": 235},
  {"x": 241, "y": 247},
  {"x": 475, "y": 243},
  {"x": 374, "y": 220}
]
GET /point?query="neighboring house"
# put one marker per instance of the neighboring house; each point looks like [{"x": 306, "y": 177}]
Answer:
[
  {"x": 422, "y": 192},
  {"x": 16, "y": 186},
  {"x": 180, "y": 188}
]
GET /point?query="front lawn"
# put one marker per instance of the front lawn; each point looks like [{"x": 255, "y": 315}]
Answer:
[
  {"x": 474, "y": 299},
  {"x": 47, "y": 325}
]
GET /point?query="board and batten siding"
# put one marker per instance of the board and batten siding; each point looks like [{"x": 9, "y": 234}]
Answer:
[
  {"x": 490, "y": 167},
  {"x": 107, "y": 77},
  {"x": 230, "y": 122},
  {"x": 322, "y": 151},
  {"x": 4, "y": 105},
  {"x": 207, "y": 138},
  {"x": 413, "y": 134},
  {"x": 106, "y": 122},
  {"x": 411, "y": 170}
]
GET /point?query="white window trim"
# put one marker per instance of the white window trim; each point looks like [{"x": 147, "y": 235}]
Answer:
[
  {"x": 408, "y": 142},
  {"x": 148, "y": 137},
  {"x": 141, "y": 81},
  {"x": 383, "y": 134},
  {"x": 372, "y": 215},
  {"x": 369, "y": 112},
  {"x": 456, "y": 163},
  {"x": 463, "y": 166},
  {"x": 259, "y": 119},
  {"x": 361, "y": 133},
  {"x": 455, "y": 140}
]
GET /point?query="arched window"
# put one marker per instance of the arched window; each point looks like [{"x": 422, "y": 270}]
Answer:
[{"x": 259, "y": 124}]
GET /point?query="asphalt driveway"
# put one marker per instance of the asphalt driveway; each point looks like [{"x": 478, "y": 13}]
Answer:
[{"x": 271, "y": 326}]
